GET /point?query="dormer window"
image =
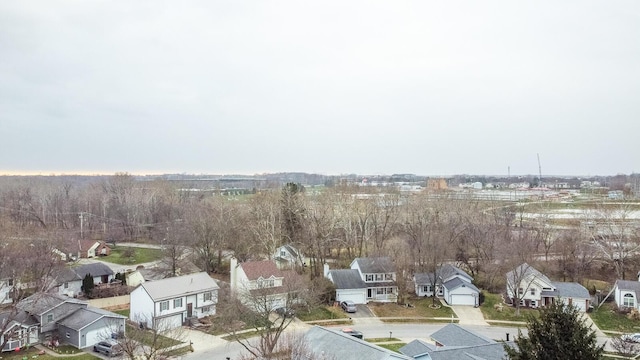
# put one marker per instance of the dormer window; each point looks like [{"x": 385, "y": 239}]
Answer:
[
  {"x": 369, "y": 277},
  {"x": 49, "y": 318},
  {"x": 379, "y": 277},
  {"x": 388, "y": 276}
]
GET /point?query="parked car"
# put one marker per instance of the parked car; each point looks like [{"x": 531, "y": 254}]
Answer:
[
  {"x": 348, "y": 306},
  {"x": 285, "y": 312},
  {"x": 354, "y": 333},
  {"x": 108, "y": 347},
  {"x": 631, "y": 337}
]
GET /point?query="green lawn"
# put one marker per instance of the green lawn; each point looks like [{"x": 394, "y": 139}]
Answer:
[
  {"x": 148, "y": 338},
  {"x": 608, "y": 319},
  {"x": 32, "y": 353},
  {"x": 123, "y": 312},
  {"x": 393, "y": 347},
  {"x": 508, "y": 313},
  {"x": 321, "y": 313},
  {"x": 132, "y": 256},
  {"x": 385, "y": 339},
  {"x": 420, "y": 307}
]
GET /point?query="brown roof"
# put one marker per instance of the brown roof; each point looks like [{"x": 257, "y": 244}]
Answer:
[
  {"x": 86, "y": 244},
  {"x": 256, "y": 269}
]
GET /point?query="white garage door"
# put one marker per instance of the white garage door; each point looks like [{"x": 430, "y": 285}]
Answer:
[
  {"x": 357, "y": 297},
  {"x": 93, "y": 337},
  {"x": 169, "y": 322},
  {"x": 462, "y": 299}
]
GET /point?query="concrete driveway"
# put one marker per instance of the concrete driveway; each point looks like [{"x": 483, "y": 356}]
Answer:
[{"x": 469, "y": 315}]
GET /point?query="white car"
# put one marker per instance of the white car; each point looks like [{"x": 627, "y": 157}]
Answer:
[{"x": 631, "y": 337}]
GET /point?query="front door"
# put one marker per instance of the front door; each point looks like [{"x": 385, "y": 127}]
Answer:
[
  {"x": 189, "y": 310},
  {"x": 369, "y": 293}
]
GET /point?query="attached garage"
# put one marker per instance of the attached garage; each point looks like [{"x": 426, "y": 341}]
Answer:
[
  {"x": 460, "y": 292},
  {"x": 358, "y": 296},
  {"x": 169, "y": 322},
  {"x": 349, "y": 285}
]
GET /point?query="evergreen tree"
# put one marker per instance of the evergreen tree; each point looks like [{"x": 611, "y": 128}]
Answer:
[
  {"x": 87, "y": 284},
  {"x": 559, "y": 333}
]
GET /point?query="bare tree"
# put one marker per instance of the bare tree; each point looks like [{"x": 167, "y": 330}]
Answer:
[
  {"x": 293, "y": 346},
  {"x": 154, "y": 343}
]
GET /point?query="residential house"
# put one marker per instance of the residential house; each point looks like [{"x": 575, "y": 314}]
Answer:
[
  {"x": 288, "y": 257},
  {"x": 534, "y": 289},
  {"x": 46, "y": 317},
  {"x": 325, "y": 343},
  {"x": 166, "y": 304},
  {"x": 627, "y": 293},
  {"x": 256, "y": 281},
  {"x": 69, "y": 281},
  {"x": 348, "y": 283},
  {"x": 6, "y": 291},
  {"x": 92, "y": 248},
  {"x": 368, "y": 279},
  {"x": 451, "y": 283},
  {"x": 454, "y": 342}
]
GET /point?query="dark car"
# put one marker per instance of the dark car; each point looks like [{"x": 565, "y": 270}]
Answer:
[
  {"x": 348, "y": 306},
  {"x": 285, "y": 312},
  {"x": 354, "y": 333},
  {"x": 108, "y": 347}
]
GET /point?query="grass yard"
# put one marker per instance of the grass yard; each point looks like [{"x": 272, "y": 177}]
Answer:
[
  {"x": 508, "y": 313},
  {"x": 421, "y": 307},
  {"x": 32, "y": 353},
  {"x": 149, "y": 338},
  {"x": 123, "y": 312},
  {"x": 393, "y": 347},
  {"x": 131, "y": 256},
  {"x": 321, "y": 313},
  {"x": 608, "y": 319}
]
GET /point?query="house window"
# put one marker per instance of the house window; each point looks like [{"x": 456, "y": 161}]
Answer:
[
  {"x": 369, "y": 277},
  {"x": 67, "y": 334},
  {"x": 379, "y": 277},
  {"x": 533, "y": 291},
  {"x": 164, "y": 306},
  {"x": 389, "y": 290},
  {"x": 206, "y": 309},
  {"x": 380, "y": 291},
  {"x": 66, "y": 285},
  {"x": 283, "y": 253},
  {"x": 207, "y": 296},
  {"x": 388, "y": 276},
  {"x": 628, "y": 300},
  {"x": 426, "y": 288},
  {"x": 10, "y": 282},
  {"x": 177, "y": 303},
  {"x": 520, "y": 291},
  {"x": 49, "y": 318}
]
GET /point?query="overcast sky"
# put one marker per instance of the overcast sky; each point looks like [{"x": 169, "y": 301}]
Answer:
[{"x": 330, "y": 87}]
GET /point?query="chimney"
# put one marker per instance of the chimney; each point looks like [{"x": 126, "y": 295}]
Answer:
[
  {"x": 233, "y": 264},
  {"x": 326, "y": 269}
]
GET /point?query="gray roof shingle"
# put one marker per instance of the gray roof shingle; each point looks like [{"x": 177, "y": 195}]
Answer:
[
  {"x": 79, "y": 272},
  {"x": 571, "y": 290},
  {"x": 454, "y": 335},
  {"x": 347, "y": 279},
  {"x": 525, "y": 270},
  {"x": 375, "y": 265},
  {"x": 84, "y": 317},
  {"x": 444, "y": 272},
  {"x": 346, "y": 347},
  {"x": 417, "y": 348},
  {"x": 494, "y": 351},
  {"x": 457, "y": 282},
  {"x": 629, "y": 285},
  {"x": 180, "y": 285}
]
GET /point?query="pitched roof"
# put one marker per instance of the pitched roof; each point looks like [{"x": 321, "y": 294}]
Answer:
[
  {"x": 417, "y": 348},
  {"x": 80, "y": 271},
  {"x": 347, "y": 279},
  {"x": 571, "y": 290},
  {"x": 180, "y": 285},
  {"x": 629, "y": 285},
  {"x": 293, "y": 251},
  {"x": 257, "y": 269},
  {"x": 454, "y": 335},
  {"x": 346, "y": 347},
  {"x": 444, "y": 272},
  {"x": 525, "y": 270},
  {"x": 494, "y": 351},
  {"x": 40, "y": 303},
  {"x": 84, "y": 317},
  {"x": 375, "y": 265},
  {"x": 457, "y": 282}
]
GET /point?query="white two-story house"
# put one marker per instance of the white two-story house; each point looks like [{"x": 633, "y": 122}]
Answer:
[
  {"x": 627, "y": 293},
  {"x": 368, "y": 279},
  {"x": 533, "y": 289},
  {"x": 168, "y": 303},
  {"x": 261, "y": 285}
]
